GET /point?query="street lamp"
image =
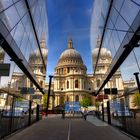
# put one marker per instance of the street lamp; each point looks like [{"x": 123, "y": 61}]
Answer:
[
  {"x": 137, "y": 80},
  {"x": 73, "y": 91},
  {"x": 49, "y": 92}
]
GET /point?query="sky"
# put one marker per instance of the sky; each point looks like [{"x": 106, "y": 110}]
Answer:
[{"x": 68, "y": 18}]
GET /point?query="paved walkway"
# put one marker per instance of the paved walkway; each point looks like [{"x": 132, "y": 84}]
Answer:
[{"x": 55, "y": 128}]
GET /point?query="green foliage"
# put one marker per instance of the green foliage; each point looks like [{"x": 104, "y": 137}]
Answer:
[
  {"x": 97, "y": 104},
  {"x": 19, "y": 99},
  {"x": 45, "y": 97},
  {"x": 136, "y": 99},
  {"x": 86, "y": 102}
]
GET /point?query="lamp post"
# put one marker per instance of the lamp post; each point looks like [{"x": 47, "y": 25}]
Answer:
[
  {"x": 73, "y": 91},
  {"x": 49, "y": 92},
  {"x": 59, "y": 88},
  {"x": 137, "y": 80}
]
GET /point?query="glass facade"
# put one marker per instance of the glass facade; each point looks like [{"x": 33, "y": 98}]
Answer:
[
  {"x": 114, "y": 40},
  {"x": 23, "y": 26},
  {"x": 115, "y": 35},
  {"x": 118, "y": 28},
  {"x": 23, "y": 38}
]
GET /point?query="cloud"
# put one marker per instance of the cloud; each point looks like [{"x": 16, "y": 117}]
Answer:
[
  {"x": 88, "y": 11},
  {"x": 95, "y": 22}
]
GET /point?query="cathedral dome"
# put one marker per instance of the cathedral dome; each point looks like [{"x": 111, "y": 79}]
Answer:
[
  {"x": 104, "y": 53},
  {"x": 36, "y": 54},
  {"x": 70, "y": 56}
]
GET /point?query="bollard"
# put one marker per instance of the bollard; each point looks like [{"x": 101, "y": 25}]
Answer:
[
  {"x": 102, "y": 111},
  {"x": 37, "y": 113},
  {"x": 30, "y": 111},
  {"x": 108, "y": 112}
]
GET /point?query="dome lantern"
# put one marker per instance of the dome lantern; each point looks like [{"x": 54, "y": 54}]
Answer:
[{"x": 70, "y": 43}]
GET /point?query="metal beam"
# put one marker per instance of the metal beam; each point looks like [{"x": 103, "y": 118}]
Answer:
[
  {"x": 14, "y": 52},
  {"x": 124, "y": 50},
  {"x": 35, "y": 33},
  {"x": 107, "y": 17}
]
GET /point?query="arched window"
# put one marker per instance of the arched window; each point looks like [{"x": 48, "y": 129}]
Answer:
[
  {"x": 98, "y": 82},
  {"x": 67, "y": 84},
  {"x": 76, "y": 84},
  {"x": 77, "y": 98},
  {"x": 67, "y": 98},
  {"x": 68, "y": 70}
]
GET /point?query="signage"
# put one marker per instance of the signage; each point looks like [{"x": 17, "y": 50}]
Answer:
[
  {"x": 4, "y": 69},
  {"x": 114, "y": 91},
  {"x": 110, "y": 91},
  {"x": 107, "y": 91},
  {"x": 27, "y": 90},
  {"x": 36, "y": 96},
  {"x": 100, "y": 98},
  {"x": 22, "y": 104},
  {"x": 72, "y": 106}
]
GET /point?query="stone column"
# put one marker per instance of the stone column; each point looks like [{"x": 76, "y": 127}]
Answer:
[{"x": 80, "y": 87}]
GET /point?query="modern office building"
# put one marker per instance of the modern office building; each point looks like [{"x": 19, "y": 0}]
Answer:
[{"x": 23, "y": 38}]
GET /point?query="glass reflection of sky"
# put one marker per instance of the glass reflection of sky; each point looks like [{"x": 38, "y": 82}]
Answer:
[
  {"x": 122, "y": 15},
  {"x": 83, "y": 20},
  {"x": 14, "y": 15}
]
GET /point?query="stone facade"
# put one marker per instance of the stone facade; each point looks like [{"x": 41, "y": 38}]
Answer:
[{"x": 71, "y": 81}]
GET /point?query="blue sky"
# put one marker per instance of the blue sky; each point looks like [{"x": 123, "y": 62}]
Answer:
[{"x": 69, "y": 18}]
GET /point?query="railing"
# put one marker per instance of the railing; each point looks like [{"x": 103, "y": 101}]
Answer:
[
  {"x": 16, "y": 113},
  {"x": 120, "y": 114}
]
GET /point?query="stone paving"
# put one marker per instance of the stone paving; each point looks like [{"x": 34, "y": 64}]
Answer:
[{"x": 56, "y": 128}]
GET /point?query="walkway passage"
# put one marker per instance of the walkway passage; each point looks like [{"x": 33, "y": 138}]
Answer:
[{"x": 55, "y": 128}]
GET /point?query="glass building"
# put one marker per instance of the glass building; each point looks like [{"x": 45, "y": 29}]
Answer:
[
  {"x": 23, "y": 26},
  {"x": 116, "y": 24},
  {"x": 23, "y": 37},
  {"x": 115, "y": 29},
  {"x": 23, "y": 60}
]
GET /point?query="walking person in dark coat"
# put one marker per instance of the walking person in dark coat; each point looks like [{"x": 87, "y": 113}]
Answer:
[{"x": 85, "y": 114}]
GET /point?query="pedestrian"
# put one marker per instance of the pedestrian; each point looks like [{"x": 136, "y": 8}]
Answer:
[
  {"x": 63, "y": 113},
  {"x": 85, "y": 114}
]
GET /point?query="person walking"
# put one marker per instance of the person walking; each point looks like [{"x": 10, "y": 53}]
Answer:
[{"x": 85, "y": 114}]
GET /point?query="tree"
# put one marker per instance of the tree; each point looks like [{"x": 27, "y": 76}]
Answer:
[
  {"x": 136, "y": 100},
  {"x": 97, "y": 104},
  {"x": 45, "y": 97},
  {"x": 86, "y": 102},
  {"x": 19, "y": 99}
]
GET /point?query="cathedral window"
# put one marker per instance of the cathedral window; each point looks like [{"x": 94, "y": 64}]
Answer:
[
  {"x": 68, "y": 70},
  {"x": 67, "y": 84},
  {"x": 62, "y": 71},
  {"x": 77, "y": 98},
  {"x": 76, "y": 84},
  {"x": 67, "y": 98},
  {"x": 98, "y": 82}
]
